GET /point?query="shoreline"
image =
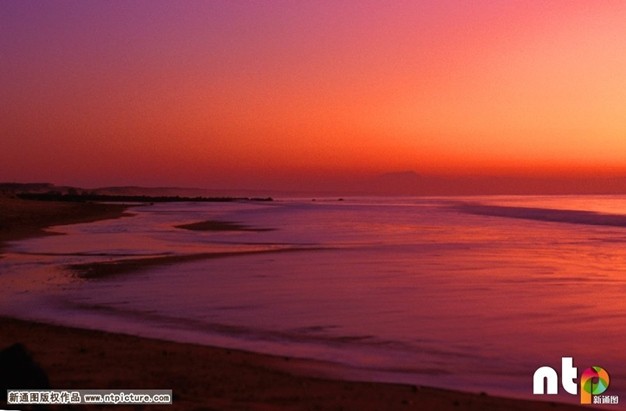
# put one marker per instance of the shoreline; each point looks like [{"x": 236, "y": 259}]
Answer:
[
  {"x": 213, "y": 378},
  {"x": 201, "y": 377}
]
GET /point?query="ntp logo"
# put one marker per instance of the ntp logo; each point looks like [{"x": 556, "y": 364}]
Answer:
[{"x": 593, "y": 381}]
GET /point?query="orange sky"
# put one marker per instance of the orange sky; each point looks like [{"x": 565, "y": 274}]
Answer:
[{"x": 252, "y": 94}]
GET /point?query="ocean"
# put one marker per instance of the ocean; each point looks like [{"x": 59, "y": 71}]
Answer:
[{"x": 467, "y": 293}]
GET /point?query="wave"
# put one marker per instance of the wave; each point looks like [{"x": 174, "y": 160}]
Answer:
[{"x": 544, "y": 214}]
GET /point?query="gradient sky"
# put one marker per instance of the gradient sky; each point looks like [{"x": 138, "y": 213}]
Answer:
[{"x": 253, "y": 93}]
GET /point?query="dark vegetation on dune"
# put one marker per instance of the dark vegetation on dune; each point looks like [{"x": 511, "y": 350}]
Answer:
[{"x": 86, "y": 196}]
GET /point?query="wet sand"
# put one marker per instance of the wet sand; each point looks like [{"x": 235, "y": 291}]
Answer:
[
  {"x": 129, "y": 265},
  {"x": 201, "y": 377},
  {"x": 212, "y": 225}
]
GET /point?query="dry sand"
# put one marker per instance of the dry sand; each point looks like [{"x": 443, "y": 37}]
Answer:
[
  {"x": 201, "y": 377},
  {"x": 26, "y": 218}
]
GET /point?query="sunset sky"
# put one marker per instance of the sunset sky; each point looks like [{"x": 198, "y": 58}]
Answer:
[{"x": 285, "y": 93}]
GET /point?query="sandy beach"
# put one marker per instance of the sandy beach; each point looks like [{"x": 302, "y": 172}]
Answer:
[
  {"x": 26, "y": 218},
  {"x": 201, "y": 377}
]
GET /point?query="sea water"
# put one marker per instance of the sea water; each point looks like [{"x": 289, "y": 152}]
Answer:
[{"x": 466, "y": 293}]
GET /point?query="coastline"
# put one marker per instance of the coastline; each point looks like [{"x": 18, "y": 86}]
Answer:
[{"x": 201, "y": 377}]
